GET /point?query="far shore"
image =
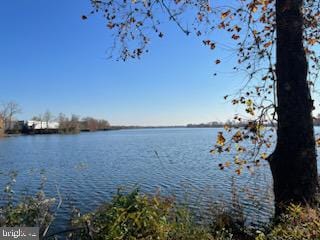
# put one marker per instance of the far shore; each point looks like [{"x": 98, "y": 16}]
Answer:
[{"x": 113, "y": 128}]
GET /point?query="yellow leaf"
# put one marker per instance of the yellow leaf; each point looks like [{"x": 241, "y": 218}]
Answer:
[
  {"x": 264, "y": 156},
  {"x": 249, "y": 102},
  {"x": 253, "y": 8},
  {"x": 220, "y": 139}
]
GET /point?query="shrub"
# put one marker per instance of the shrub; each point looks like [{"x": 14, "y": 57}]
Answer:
[
  {"x": 137, "y": 216},
  {"x": 28, "y": 212},
  {"x": 299, "y": 223},
  {"x": 131, "y": 216}
]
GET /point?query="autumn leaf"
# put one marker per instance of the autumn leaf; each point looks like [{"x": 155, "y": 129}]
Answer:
[
  {"x": 225, "y": 14},
  {"x": 268, "y": 44},
  {"x": 241, "y": 149},
  {"x": 222, "y": 25},
  {"x": 250, "y": 111},
  {"x": 253, "y": 7},
  {"x": 237, "y": 137},
  {"x": 110, "y": 25},
  {"x": 235, "y": 36},
  {"x": 267, "y": 28},
  {"x": 237, "y": 28},
  {"x": 249, "y": 102},
  {"x": 220, "y": 139},
  {"x": 236, "y": 160},
  {"x": 206, "y": 42},
  {"x": 264, "y": 156},
  {"x": 312, "y": 41},
  {"x": 227, "y": 149}
]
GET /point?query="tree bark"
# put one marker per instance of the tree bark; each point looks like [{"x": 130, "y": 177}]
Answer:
[{"x": 293, "y": 163}]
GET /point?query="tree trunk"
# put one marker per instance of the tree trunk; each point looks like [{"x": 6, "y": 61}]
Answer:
[{"x": 293, "y": 163}]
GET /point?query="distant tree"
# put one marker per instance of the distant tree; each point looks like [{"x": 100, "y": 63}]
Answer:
[
  {"x": 47, "y": 117},
  {"x": 67, "y": 125},
  {"x": 74, "y": 124},
  {"x": 273, "y": 40},
  {"x": 36, "y": 118},
  {"x": 91, "y": 124},
  {"x": 1, "y": 125},
  {"x": 8, "y": 111},
  {"x": 103, "y": 124},
  {"x": 63, "y": 123}
]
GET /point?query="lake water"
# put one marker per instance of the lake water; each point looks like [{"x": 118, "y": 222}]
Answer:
[{"x": 89, "y": 167}]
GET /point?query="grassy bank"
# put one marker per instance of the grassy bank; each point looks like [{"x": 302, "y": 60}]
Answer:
[{"x": 137, "y": 216}]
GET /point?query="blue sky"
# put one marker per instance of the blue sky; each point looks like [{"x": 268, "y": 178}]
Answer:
[{"x": 51, "y": 59}]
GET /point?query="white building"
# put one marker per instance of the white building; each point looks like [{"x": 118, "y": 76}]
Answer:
[{"x": 42, "y": 125}]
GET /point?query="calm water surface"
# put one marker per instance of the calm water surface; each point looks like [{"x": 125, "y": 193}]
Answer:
[{"x": 89, "y": 167}]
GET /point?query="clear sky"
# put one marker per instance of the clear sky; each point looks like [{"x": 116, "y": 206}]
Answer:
[{"x": 51, "y": 59}]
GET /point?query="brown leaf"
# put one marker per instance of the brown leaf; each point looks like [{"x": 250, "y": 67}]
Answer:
[
  {"x": 268, "y": 44},
  {"x": 235, "y": 36},
  {"x": 225, "y": 14}
]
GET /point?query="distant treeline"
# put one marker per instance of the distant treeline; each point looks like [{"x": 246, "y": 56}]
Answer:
[
  {"x": 223, "y": 124},
  {"x": 46, "y": 122},
  {"x": 206, "y": 125},
  {"x": 316, "y": 122},
  {"x": 75, "y": 124},
  {"x": 219, "y": 124}
]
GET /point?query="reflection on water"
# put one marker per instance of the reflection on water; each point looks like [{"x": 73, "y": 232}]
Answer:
[{"x": 89, "y": 167}]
